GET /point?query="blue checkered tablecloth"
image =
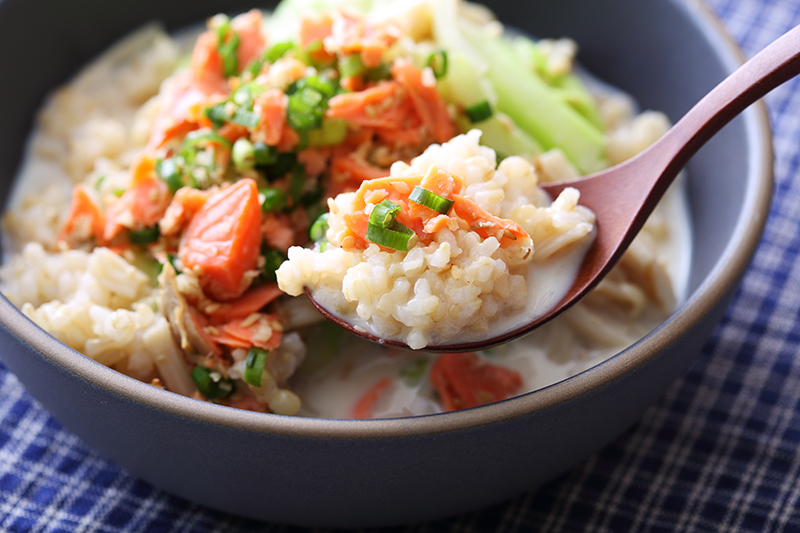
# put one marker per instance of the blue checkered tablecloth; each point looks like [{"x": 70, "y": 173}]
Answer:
[{"x": 718, "y": 453}]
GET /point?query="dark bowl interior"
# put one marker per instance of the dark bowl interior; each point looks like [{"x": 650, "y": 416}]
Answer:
[{"x": 667, "y": 53}]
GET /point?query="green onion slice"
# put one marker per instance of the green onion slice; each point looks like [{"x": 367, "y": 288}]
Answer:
[
  {"x": 438, "y": 63},
  {"x": 431, "y": 200},
  {"x": 217, "y": 114},
  {"x": 254, "y": 366},
  {"x": 396, "y": 236},
  {"x": 351, "y": 65},
  {"x": 145, "y": 236},
  {"x": 384, "y": 213},
  {"x": 319, "y": 228},
  {"x": 167, "y": 170},
  {"x": 198, "y": 137},
  {"x": 265, "y": 155},
  {"x": 278, "y": 50},
  {"x": 245, "y": 118},
  {"x": 273, "y": 199},
  {"x": 227, "y": 43},
  {"x": 479, "y": 112},
  {"x": 211, "y": 384},
  {"x": 297, "y": 182},
  {"x": 273, "y": 259}
]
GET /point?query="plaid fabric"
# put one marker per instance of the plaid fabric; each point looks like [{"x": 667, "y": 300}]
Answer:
[{"x": 718, "y": 453}]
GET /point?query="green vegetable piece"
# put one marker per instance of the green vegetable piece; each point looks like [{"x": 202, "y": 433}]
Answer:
[
  {"x": 384, "y": 213},
  {"x": 243, "y": 155},
  {"x": 254, "y": 366},
  {"x": 283, "y": 164},
  {"x": 438, "y": 63},
  {"x": 351, "y": 66},
  {"x": 227, "y": 43},
  {"x": 245, "y": 118},
  {"x": 413, "y": 371},
  {"x": 167, "y": 170},
  {"x": 217, "y": 114},
  {"x": 505, "y": 137},
  {"x": 274, "y": 199},
  {"x": 211, "y": 384},
  {"x": 332, "y": 133},
  {"x": 297, "y": 182},
  {"x": 264, "y": 155},
  {"x": 535, "y": 107},
  {"x": 479, "y": 112},
  {"x": 273, "y": 259},
  {"x": 145, "y": 236},
  {"x": 197, "y": 138},
  {"x": 430, "y": 199},
  {"x": 278, "y": 50},
  {"x": 319, "y": 228},
  {"x": 99, "y": 183},
  {"x": 396, "y": 236},
  {"x": 381, "y": 72}
]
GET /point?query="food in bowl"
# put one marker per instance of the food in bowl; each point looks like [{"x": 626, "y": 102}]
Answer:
[{"x": 155, "y": 205}]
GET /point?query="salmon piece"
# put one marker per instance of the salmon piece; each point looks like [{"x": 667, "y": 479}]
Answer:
[
  {"x": 186, "y": 203},
  {"x": 250, "y": 302},
  {"x": 182, "y": 109},
  {"x": 380, "y": 106},
  {"x": 409, "y": 135},
  {"x": 222, "y": 242},
  {"x": 232, "y": 132},
  {"x": 289, "y": 139},
  {"x": 347, "y": 172},
  {"x": 271, "y": 107},
  {"x": 486, "y": 224},
  {"x": 252, "y": 40},
  {"x": 315, "y": 29},
  {"x": 258, "y": 329},
  {"x": 464, "y": 380},
  {"x": 143, "y": 204},
  {"x": 352, "y": 33},
  {"x": 206, "y": 65},
  {"x": 84, "y": 220},
  {"x": 437, "y": 181},
  {"x": 315, "y": 160},
  {"x": 365, "y": 405},
  {"x": 278, "y": 231},
  {"x": 429, "y": 104}
]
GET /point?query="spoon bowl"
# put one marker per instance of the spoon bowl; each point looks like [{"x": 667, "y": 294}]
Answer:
[{"x": 623, "y": 196}]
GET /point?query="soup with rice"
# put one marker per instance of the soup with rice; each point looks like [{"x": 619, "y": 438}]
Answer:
[{"x": 157, "y": 200}]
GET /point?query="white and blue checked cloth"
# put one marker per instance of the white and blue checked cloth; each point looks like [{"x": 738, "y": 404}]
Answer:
[{"x": 720, "y": 452}]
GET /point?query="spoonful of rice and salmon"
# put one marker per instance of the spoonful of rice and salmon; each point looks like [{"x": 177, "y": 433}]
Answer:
[{"x": 421, "y": 259}]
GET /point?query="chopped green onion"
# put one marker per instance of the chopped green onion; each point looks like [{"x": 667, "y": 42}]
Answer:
[
  {"x": 264, "y": 155},
  {"x": 211, "y": 384},
  {"x": 479, "y": 112},
  {"x": 321, "y": 84},
  {"x": 332, "y": 133},
  {"x": 245, "y": 118},
  {"x": 172, "y": 261},
  {"x": 297, "y": 182},
  {"x": 99, "y": 183},
  {"x": 278, "y": 50},
  {"x": 254, "y": 366},
  {"x": 306, "y": 109},
  {"x": 283, "y": 163},
  {"x": 273, "y": 259},
  {"x": 197, "y": 137},
  {"x": 243, "y": 155},
  {"x": 274, "y": 199},
  {"x": 217, "y": 114},
  {"x": 227, "y": 43},
  {"x": 431, "y": 200},
  {"x": 119, "y": 191},
  {"x": 145, "y": 236},
  {"x": 381, "y": 72},
  {"x": 351, "y": 65},
  {"x": 438, "y": 63},
  {"x": 384, "y": 213},
  {"x": 167, "y": 170},
  {"x": 319, "y": 228},
  {"x": 414, "y": 370},
  {"x": 396, "y": 236}
]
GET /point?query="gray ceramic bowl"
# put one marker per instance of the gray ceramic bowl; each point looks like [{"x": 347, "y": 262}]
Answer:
[{"x": 668, "y": 53}]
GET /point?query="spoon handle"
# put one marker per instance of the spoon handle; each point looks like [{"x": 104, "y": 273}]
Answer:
[{"x": 776, "y": 64}]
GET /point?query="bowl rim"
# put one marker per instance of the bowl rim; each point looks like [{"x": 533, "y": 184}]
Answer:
[{"x": 725, "y": 273}]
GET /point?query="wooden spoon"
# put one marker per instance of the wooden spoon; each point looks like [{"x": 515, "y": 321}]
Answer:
[{"x": 622, "y": 197}]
